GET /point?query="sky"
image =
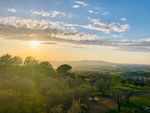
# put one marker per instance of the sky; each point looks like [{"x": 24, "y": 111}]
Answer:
[{"x": 108, "y": 30}]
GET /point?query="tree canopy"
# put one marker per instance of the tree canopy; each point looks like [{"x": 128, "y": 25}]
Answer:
[{"x": 64, "y": 69}]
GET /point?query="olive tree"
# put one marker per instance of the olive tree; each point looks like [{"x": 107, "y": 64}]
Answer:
[{"x": 64, "y": 69}]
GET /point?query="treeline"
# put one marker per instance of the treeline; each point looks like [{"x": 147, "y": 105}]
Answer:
[
  {"x": 14, "y": 64},
  {"x": 31, "y": 86},
  {"x": 136, "y": 78}
]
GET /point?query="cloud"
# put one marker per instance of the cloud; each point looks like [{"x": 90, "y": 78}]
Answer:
[
  {"x": 52, "y": 13},
  {"x": 76, "y": 6},
  {"x": 126, "y": 45},
  {"x": 12, "y": 10},
  {"x": 105, "y": 13},
  {"x": 117, "y": 36},
  {"x": 123, "y": 19},
  {"x": 97, "y": 8},
  {"x": 55, "y": 13},
  {"x": 27, "y": 29},
  {"x": 90, "y": 11},
  {"x": 133, "y": 45},
  {"x": 93, "y": 12},
  {"x": 81, "y": 3},
  {"x": 50, "y": 32},
  {"x": 41, "y": 13},
  {"x": 106, "y": 27}
]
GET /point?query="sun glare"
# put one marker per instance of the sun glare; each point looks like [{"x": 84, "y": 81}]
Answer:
[{"x": 34, "y": 43}]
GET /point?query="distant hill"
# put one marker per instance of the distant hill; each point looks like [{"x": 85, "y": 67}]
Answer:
[
  {"x": 83, "y": 62},
  {"x": 96, "y": 65},
  {"x": 85, "y": 65}
]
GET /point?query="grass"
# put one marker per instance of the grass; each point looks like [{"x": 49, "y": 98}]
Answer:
[
  {"x": 132, "y": 107},
  {"x": 141, "y": 100},
  {"x": 112, "y": 111},
  {"x": 108, "y": 102},
  {"x": 136, "y": 105},
  {"x": 130, "y": 87}
]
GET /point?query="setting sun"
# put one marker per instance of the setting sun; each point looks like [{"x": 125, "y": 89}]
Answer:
[{"x": 34, "y": 43}]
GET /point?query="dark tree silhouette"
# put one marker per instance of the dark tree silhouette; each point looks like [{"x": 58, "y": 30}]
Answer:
[
  {"x": 122, "y": 97},
  {"x": 30, "y": 61},
  {"x": 6, "y": 60},
  {"x": 64, "y": 69},
  {"x": 118, "y": 97},
  {"x": 16, "y": 60},
  {"x": 46, "y": 68},
  {"x": 9, "y": 60}
]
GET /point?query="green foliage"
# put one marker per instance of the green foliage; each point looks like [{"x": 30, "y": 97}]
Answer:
[
  {"x": 141, "y": 100},
  {"x": 30, "y": 61},
  {"x": 128, "y": 110},
  {"x": 8, "y": 60},
  {"x": 76, "y": 107},
  {"x": 103, "y": 85},
  {"x": 46, "y": 68},
  {"x": 57, "y": 109},
  {"x": 112, "y": 111},
  {"x": 64, "y": 69}
]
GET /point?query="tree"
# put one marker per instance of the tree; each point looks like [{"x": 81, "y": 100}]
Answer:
[
  {"x": 127, "y": 95},
  {"x": 64, "y": 69},
  {"x": 119, "y": 98},
  {"x": 46, "y": 68},
  {"x": 123, "y": 81},
  {"x": 93, "y": 92},
  {"x": 103, "y": 85},
  {"x": 6, "y": 60},
  {"x": 30, "y": 61},
  {"x": 57, "y": 109},
  {"x": 122, "y": 97},
  {"x": 9, "y": 60},
  {"x": 16, "y": 60},
  {"x": 76, "y": 107}
]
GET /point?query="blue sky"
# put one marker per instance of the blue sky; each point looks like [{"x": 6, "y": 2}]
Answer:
[
  {"x": 120, "y": 24},
  {"x": 136, "y": 12}
]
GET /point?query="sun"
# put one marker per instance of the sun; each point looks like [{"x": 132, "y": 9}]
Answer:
[{"x": 34, "y": 43}]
